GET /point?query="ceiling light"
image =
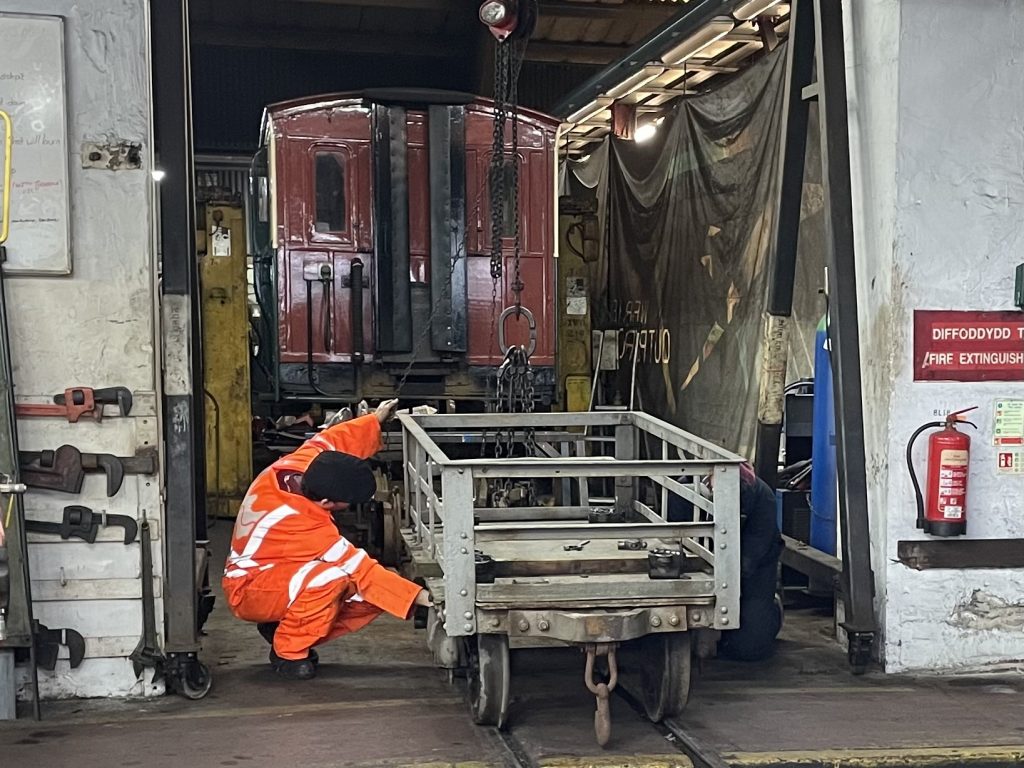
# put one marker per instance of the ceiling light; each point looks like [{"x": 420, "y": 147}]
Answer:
[
  {"x": 158, "y": 175},
  {"x": 635, "y": 81},
  {"x": 644, "y": 132},
  {"x": 711, "y": 32},
  {"x": 753, "y": 9}
]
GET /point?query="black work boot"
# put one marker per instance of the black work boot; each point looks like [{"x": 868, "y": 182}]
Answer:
[
  {"x": 293, "y": 669},
  {"x": 268, "y": 629}
]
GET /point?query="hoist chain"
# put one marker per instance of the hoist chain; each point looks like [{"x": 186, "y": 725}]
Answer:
[
  {"x": 515, "y": 395},
  {"x": 517, "y": 282},
  {"x": 502, "y": 62},
  {"x": 508, "y": 59},
  {"x": 515, "y": 378}
]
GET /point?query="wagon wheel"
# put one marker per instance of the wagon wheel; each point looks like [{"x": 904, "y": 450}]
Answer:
[
  {"x": 665, "y": 674},
  {"x": 489, "y": 680},
  {"x": 391, "y": 535}
]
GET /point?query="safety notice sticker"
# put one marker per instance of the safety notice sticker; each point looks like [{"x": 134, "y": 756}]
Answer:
[
  {"x": 1010, "y": 462},
  {"x": 575, "y": 296},
  {"x": 1008, "y": 423}
]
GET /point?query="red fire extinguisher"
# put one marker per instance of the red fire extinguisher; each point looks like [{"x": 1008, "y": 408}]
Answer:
[{"x": 949, "y": 459}]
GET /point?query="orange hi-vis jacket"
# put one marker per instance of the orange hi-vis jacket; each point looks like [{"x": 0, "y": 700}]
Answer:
[{"x": 289, "y": 564}]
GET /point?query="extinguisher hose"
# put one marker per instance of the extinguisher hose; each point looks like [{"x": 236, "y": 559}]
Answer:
[{"x": 910, "y": 467}]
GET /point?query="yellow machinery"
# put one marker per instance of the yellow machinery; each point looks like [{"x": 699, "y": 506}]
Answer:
[
  {"x": 225, "y": 316},
  {"x": 576, "y": 252}
]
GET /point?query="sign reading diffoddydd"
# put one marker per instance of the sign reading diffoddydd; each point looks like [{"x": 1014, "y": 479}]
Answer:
[{"x": 968, "y": 346}]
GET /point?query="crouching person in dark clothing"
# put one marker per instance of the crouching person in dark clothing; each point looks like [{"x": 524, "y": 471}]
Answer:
[{"x": 760, "y": 547}]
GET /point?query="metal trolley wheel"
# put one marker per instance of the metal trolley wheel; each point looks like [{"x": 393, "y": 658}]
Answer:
[
  {"x": 665, "y": 663},
  {"x": 489, "y": 680},
  {"x": 194, "y": 682}
]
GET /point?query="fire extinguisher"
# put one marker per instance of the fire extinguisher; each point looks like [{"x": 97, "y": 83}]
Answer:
[{"x": 949, "y": 458}]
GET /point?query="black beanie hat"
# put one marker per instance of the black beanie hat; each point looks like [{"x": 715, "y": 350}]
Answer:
[{"x": 339, "y": 476}]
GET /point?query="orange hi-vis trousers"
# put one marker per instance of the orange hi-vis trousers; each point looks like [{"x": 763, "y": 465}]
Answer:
[{"x": 317, "y": 601}]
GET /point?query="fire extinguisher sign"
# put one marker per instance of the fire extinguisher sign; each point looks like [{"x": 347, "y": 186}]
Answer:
[
  {"x": 1010, "y": 462},
  {"x": 968, "y": 346}
]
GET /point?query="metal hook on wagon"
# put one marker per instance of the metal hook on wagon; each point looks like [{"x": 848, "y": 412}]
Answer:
[
  {"x": 603, "y": 715},
  {"x": 531, "y": 321}
]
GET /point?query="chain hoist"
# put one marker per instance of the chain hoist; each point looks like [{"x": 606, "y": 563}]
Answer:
[
  {"x": 509, "y": 52},
  {"x": 511, "y": 23}
]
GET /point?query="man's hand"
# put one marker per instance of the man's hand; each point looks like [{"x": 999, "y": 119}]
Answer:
[
  {"x": 386, "y": 411},
  {"x": 423, "y": 599}
]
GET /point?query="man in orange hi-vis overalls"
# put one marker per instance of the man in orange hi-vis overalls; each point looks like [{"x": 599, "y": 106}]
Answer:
[{"x": 289, "y": 569}]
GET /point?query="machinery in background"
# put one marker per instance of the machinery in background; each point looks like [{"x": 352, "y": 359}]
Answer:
[
  {"x": 578, "y": 242},
  {"x": 807, "y": 489},
  {"x": 221, "y": 245}
]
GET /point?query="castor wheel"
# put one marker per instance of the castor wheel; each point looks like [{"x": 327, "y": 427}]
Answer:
[
  {"x": 489, "y": 680},
  {"x": 194, "y": 681}
]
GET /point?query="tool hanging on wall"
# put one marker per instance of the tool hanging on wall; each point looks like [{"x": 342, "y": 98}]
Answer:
[
  {"x": 82, "y": 523},
  {"x": 76, "y": 402},
  {"x": 64, "y": 469},
  {"x": 48, "y": 643},
  {"x": 147, "y": 653}
]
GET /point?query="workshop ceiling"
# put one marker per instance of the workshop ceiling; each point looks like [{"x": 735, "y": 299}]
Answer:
[
  {"x": 593, "y": 32},
  {"x": 249, "y": 53}
]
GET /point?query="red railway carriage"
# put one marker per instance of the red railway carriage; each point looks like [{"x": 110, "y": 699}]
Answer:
[{"x": 372, "y": 241}]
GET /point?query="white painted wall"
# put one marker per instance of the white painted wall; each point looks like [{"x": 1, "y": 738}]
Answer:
[
  {"x": 939, "y": 168},
  {"x": 872, "y": 49},
  {"x": 96, "y": 328}
]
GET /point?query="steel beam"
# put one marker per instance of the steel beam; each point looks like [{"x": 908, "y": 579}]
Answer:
[
  {"x": 961, "y": 553},
  {"x": 818, "y": 566},
  {"x": 185, "y": 520},
  {"x": 583, "y": 531},
  {"x": 771, "y": 400},
  {"x": 690, "y": 18},
  {"x": 858, "y": 579},
  {"x": 17, "y": 603}
]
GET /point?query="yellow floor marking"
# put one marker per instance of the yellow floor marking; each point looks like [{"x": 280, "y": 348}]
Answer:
[{"x": 917, "y": 757}]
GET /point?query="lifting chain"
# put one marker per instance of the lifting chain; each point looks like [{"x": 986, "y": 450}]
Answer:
[
  {"x": 515, "y": 394},
  {"x": 508, "y": 59},
  {"x": 515, "y": 377}
]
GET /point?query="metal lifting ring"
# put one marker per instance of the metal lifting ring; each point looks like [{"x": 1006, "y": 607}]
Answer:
[{"x": 530, "y": 319}]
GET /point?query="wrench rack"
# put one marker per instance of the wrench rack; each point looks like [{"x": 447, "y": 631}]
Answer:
[{"x": 505, "y": 578}]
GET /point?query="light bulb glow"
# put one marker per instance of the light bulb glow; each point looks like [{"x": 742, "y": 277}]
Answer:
[{"x": 644, "y": 132}]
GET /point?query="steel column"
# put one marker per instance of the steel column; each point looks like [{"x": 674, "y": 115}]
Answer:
[
  {"x": 448, "y": 270},
  {"x": 185, "y": 520},
  {"x": 391, "y": 230},
  {"x": 18, "y": 609},
  {"x": 858, "y": 580},
  {"x": 771, "y": 401}
]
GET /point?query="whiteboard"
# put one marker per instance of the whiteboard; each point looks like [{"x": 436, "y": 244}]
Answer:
[{"x": 32, "y": 92}]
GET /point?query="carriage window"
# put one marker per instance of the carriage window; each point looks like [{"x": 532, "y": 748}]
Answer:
[{"x": 330, "y": 192}]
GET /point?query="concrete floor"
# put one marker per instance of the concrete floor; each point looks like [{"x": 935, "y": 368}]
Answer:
[{"x": 379, "y": 702}]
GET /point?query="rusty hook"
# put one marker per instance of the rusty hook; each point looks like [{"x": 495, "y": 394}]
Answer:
[{"x": 603, "y": 715}]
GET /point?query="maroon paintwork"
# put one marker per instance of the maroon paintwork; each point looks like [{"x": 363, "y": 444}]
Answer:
[{"x": 343, "y": 124}]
